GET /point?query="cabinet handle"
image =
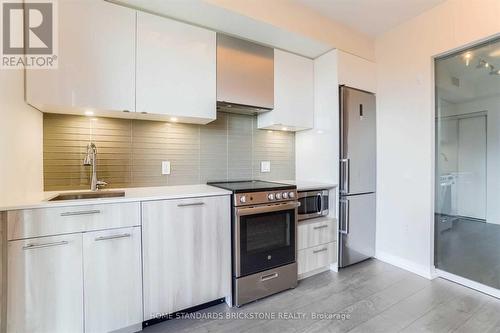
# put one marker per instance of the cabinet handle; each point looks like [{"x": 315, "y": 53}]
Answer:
[
  {"x": 101, "y": 238},
  {"x": 191, "y": 204},
  {"x": 321, "y": 227},
  {"x": 38, "y": 246},
  {"x": 269, "y": 277},
  {"x": 321, "y": 250},
  {"x": 83, "y": 212}
]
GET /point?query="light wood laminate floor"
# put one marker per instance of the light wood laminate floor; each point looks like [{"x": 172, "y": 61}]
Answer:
[{"x": 372, "y": 296}]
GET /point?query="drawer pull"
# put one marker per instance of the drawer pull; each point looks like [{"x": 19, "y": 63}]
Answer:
[
  {"x": 320, "y": 250},
  {"x": 83, "y": 212},
  {"x": 269, "y": 277},
  {"x": 191, "y": 204},
  {"x": 101, "y": 238},
  {"x": 38, "y": 246},
  {"x": 321, "y": 227}
]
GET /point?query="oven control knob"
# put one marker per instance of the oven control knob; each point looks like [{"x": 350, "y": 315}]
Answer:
[
  {"x": 243, "y": 199},
  {"x": 270, "y": 196},
  {"x": 291, "y": 195},
  {"x": 278, "y": 196},
  {"x": 285, "y": 195}
]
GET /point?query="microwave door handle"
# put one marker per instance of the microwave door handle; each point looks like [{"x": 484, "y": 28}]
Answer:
[{"x": 320, "y": 203}]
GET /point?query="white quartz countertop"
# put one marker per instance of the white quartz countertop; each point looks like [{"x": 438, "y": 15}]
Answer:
[
  {"x": 40, "y": 200},
  {"x": 304, "y": 185}
]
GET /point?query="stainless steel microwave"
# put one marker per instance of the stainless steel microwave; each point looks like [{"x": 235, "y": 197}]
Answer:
[{"x": 313, "y": 204}]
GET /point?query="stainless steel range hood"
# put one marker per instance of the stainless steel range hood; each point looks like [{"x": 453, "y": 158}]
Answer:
[{"x": 245, "y": 76}]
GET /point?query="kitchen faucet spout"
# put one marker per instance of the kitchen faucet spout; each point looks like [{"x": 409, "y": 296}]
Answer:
[{"x": 91, "y": 160}]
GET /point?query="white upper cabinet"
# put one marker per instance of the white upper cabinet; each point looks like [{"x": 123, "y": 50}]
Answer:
[
  {"x": 293, "y": 94},
  {"x": 176, "y": 70},
  {"x": 96, "y": 61}
]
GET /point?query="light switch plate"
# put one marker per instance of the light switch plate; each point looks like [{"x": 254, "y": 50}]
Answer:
[
  {"x": 165, "y": 167},
  {"x": 265, "y": 166}
]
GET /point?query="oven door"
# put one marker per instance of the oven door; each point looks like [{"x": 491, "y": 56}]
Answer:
[{"x": 264, "y": 237}]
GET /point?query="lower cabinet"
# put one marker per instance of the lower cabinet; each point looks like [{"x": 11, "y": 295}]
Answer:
[
  {"x": 112, "y": 279},
  {"x": 186, "y": 253},
  {"x": 94, "y": 281},
  {"x": 317, "y": 245},
  {"x": 82, "y": 282},
  {"x": 45, "y": 285}
]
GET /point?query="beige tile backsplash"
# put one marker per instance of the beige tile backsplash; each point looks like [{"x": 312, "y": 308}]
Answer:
[{"x": 130, "y": 151}]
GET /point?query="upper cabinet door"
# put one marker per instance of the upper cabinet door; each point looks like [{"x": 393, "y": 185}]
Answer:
[
  {"x": 176, "y": 70},
  {"x": 96, "y": 61},
  {"x": 293, "y": 94}
]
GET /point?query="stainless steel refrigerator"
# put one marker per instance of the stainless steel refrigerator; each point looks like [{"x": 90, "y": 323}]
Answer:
[{"x": 357, "y": 176}]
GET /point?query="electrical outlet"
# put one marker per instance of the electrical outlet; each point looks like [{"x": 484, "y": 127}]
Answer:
[
  {"x": 165, "y": 167},
  {"x": 265, "y": 166}
]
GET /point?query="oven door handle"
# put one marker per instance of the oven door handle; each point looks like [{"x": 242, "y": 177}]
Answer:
[{"x": 266, "y": 209}]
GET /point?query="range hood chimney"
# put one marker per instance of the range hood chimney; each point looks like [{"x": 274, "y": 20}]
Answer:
[{"x": 245, "y": 76}]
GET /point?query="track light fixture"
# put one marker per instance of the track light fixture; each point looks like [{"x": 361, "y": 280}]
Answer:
[{"x": 484, "y": 64}]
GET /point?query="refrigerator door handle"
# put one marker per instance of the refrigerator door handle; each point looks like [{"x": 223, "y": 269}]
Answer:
[
  {"x": 345, "y": 217},
  {"x": 345, "y": 166}
]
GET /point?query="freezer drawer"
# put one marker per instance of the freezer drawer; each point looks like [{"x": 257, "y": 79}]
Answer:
[{"x": 356, "y": 228}]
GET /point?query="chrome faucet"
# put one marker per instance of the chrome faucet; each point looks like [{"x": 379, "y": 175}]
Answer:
[{"x": 91, "y": 160}]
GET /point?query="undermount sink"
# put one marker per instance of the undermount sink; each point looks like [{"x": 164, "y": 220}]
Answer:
[{"x": 88, "y": 195}]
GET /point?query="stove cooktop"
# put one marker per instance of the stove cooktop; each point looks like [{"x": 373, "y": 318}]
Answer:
[{"x": 252, "y": 186}]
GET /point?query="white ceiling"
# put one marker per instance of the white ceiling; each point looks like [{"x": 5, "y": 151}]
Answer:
[{"x": 372, "y": 17}]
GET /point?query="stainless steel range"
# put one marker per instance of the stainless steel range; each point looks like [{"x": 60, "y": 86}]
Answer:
[{"x": 264, "y": 229}]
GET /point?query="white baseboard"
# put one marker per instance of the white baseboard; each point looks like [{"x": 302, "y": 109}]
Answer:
[
  {"x": 405, "y": 264},
  {"x": 468, "y": 283}
]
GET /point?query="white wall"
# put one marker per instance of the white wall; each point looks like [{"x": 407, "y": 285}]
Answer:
[
  {"x": 405, "y": 126},
  {"x": 21, "y": 128}
]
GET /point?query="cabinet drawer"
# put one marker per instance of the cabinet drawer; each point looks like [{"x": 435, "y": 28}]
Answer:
[
  {"x": 61, "y": 220},
  {"x": 315, "y": 232},
  {"x": 317, "y": 257}
]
